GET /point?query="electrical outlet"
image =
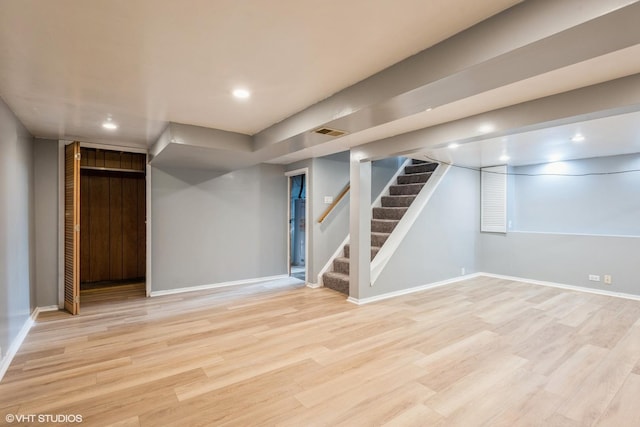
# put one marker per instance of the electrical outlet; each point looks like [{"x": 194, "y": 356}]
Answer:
[
  {"x": 594, "y": 278},
  {"x": 607, "y": 279}
]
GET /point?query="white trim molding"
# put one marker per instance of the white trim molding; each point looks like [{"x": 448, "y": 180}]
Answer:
[
  {"x": 428, "y": 286},
  {"x": 307, "y": 210},
  {"x": 217, "y": 285},
  {"x": 19, "y": 339},
  {"x": 566, "y": 287},
  {"x": 415, "y": 289}
]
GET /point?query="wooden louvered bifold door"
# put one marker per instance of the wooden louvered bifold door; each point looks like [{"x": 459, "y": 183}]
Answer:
[{"x": 72, "y": 228}]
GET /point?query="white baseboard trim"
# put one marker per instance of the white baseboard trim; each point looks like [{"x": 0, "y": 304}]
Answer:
[
  {"x": 19, "y": 339},
  {"x": 217, "y": 285},
  {"x": 314, "y": 285},
  {"x": 563, "y": 286},
  {"x": 420, "y": 288},
  {"x": 39, "y": 310},
  {"x": 15, "y": 345},
  {"x": 495, "y": 276}
]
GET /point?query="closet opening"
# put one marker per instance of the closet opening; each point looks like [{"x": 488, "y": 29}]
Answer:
[{"x": 112, "y": 243}]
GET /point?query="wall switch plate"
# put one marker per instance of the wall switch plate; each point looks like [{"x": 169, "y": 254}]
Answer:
[
  {"x": 607, "y": 279},
  {"x": 328, "y": 200},
  {"x": 594, "y": 278}
]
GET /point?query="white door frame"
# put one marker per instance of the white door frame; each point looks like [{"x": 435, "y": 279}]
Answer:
[
  {"x": 61, "y": 144},
  {"x": 305, "y": 172}
]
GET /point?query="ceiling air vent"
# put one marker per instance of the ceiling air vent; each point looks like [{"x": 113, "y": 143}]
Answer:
[{"x": 329, "y": 131}]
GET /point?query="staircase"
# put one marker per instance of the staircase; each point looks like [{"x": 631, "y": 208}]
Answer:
[{"x": 384, "y": 219}]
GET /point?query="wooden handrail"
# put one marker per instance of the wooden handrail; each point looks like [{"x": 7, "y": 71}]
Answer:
[{"x": 326, "y": 213}]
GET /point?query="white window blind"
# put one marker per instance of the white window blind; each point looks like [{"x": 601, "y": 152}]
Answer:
[{"x": 493, "y": 199}]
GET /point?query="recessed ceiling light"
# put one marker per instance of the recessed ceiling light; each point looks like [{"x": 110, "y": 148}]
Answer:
[
  {"x": 504, "y": 158},
  {"x": 241, "y": 93},
  {"x": 486, "y": 128},
  {"x": 453, "y": 145},
  {"x": 577, "y": 138},
  {"x": 109, "y": 125},
  {"x": 429, "y": 109}
]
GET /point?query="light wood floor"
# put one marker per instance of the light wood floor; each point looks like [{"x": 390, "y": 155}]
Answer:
[
  {"x": 112, "y": 293},
  {"x": 480, "y": 352}
]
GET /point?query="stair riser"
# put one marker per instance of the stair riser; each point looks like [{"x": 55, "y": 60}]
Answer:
[
  {"x": 388, "y": 213},
  {"x": 341, "y": 266},
  {"x": 378, "y": 240},
  {"x": 414, "y": 178},
  {"x": 374, "y": 251},
  {"x": 383, "y": 226},
  {"x": 405, "y": 190},
  {"x": 425, "y": 167},
  {"x": 397, "y": 201},
  {"x": 336, "y": 284}
]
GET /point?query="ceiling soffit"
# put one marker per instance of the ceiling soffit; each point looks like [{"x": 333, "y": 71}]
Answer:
[{"x": 473, "y": 62}]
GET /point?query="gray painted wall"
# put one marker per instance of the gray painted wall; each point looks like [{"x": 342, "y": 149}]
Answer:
[
  {"x": 442, "y": 241},
  {"x": 601, "y": 204},
  {"x": 17, "y": 290},
  {"x": 563, "y": 258},
  {"x": 210, "y": 229},
  {"x": 45, "y": 174},
  {"x": 566, "y": 228},
  {"x": 329, "y": 178}
]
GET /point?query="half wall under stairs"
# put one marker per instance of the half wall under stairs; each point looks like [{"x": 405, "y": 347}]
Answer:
[{"x": 384, "y": 219}]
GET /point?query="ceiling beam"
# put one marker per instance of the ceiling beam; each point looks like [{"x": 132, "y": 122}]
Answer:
[
  {"x": 602, "y": 100},
  {"x": 526, "y": 40}
]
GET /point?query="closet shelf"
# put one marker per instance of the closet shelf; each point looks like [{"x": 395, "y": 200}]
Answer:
[{"x": 95, "y": 168}]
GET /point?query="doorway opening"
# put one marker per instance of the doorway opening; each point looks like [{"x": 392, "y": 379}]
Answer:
[
  {"x": 105, "y": 226},
  {"x": 112, "y": 224},
  {"x": 298, "y": 219}
]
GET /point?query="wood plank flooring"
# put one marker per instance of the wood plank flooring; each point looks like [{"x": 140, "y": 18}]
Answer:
[{"x": 484, "y": 352}]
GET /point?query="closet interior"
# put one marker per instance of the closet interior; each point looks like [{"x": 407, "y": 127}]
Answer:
[{"x": 112, "y": 218}]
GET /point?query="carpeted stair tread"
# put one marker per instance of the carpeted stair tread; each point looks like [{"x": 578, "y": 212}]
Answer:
[
  {"x": 341, "y": 265},
  {"x": 336, "y": 281},
  {"x": 414, "y": 178},
  {"x": 374, "y": 251},
  {"x": 389, "y": 213},
  {"x": 378, "y": 239},
  {"x": 405, "y": 189},
  {"x": 418, "y": 162},
  {"x": 397, "y": 201},
  {"x": 383, "y": 225},
  {"x": 420, "y": 168}
]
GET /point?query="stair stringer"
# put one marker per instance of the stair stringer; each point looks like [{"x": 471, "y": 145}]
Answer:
[
  {"x": 406, "y": 222},
  {"x": 376, "y": 204}
]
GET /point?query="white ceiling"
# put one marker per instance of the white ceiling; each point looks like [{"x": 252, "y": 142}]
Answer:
[
  {"x": 598, "y": 70},
  {"x": 67, "y": 65},
  {"x": 607, "y": 136}
]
